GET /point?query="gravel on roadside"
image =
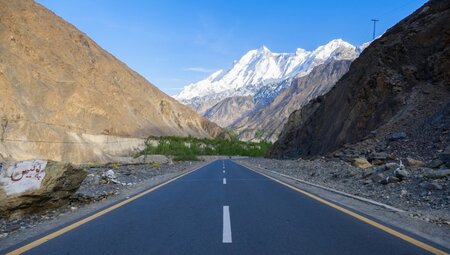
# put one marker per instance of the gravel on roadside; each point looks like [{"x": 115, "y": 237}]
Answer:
[
  {"x": 101, "y": 183},
  {"x": 422, "y": 197}
]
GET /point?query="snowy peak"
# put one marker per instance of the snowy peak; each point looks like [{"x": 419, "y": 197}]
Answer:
[
  {"x": 263, "y": 50},
  {"x": 336, "y": 49},
  {"x": 260, "y": 67},
  {"x": 301, "y": 52}
]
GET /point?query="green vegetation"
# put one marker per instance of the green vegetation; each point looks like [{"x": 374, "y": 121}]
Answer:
[
  {"x": 259, "y": 133},
  {"x": 155, "y": 164},
  {"x": 188, "y": 148}
]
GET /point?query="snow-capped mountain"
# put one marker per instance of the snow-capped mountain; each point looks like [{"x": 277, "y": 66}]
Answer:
[{"x": 260, "y": 72}]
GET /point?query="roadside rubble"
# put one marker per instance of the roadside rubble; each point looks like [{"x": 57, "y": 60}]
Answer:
[
  {"x": 421, "y": 191},
  {"x": 101, "y": 183}
]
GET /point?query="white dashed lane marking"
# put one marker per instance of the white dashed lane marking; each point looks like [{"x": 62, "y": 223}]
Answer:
[{"x": 226, "y": 237}]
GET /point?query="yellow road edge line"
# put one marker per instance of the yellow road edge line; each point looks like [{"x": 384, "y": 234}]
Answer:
[
  {"x": 359, "y": 217},
  {"x": 74, "y": 225}
]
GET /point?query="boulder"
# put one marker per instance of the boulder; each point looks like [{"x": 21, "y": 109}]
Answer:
[
  {"x": 378, "y": 156},
  {"x": 361, "y": 163},
  {"x": 431, "y": 186},
  {"x": 391, "y": 166},
  {"x": 35, "y": 185},
  {"x": 414, "y": 162},
  {"x": 390, "y": 179},
  {"x": 378, "y": 177},
  {"x": 367, "y": 173},
  {"x": 108, "y": 177},
  {"x": 439, "y": 174},
  {"x": 396, "y": 136},
  {"x": 435, "y": 163},
  {"x": 110, "y": 174},
  {"x": 377, "y": 162},
  {"x": 401, "y": 173}
]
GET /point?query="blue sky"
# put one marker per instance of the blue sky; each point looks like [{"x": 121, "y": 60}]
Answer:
[{"x": 175, "y": 42}]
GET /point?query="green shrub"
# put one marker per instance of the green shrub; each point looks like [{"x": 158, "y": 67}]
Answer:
[{"x": 188, "y": 148}]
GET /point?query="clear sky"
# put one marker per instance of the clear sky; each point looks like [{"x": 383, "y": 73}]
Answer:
[{"x": 175, "y": 42}]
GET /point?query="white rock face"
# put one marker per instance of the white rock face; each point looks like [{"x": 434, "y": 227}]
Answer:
[
  {"x": 22, "y": 177},
  {"x": 260, "y": 69}
]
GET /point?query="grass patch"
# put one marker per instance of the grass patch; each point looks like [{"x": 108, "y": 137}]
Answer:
[{"x": 189, "y": 148}]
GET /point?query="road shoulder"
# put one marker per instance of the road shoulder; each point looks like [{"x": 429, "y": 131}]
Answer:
[
  {"x": 398, "y": 220},
  {"x": 49, "y": 226}
]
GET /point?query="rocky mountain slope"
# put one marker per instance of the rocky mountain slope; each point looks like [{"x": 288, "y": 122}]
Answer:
[
  {"x": 268, "y": 121},
  {"x": 395, "y": 97},
  {"x": 228, "y": 110},
  {"x": 65, "y": 98}
]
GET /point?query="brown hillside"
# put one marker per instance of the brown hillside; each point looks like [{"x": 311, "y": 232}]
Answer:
[{"x": 58, "y": 85}]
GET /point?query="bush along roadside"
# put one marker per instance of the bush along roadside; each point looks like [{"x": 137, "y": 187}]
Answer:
[{"x": 189, "y": 148}]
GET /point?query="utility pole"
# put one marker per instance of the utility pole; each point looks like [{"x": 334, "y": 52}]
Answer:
[{"x": 374, "y": 25}]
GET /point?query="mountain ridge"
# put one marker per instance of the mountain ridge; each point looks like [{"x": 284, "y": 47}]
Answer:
[
  {"x": 260, "y": 67},
  {"x": 400, "y": 83},
  {"x": 50, "y": 72}
]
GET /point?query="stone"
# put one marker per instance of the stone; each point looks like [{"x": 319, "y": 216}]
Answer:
[
  {"x": 110, "y": 174},
  {"x": 367, "y": 172},
  {"x": 12, "y": 227},
  {"x": 438, "y": 174},
  {"x": 403, "y": 192},
  {"x": 378, "y": 177},
  {"x": 36, "y": 185},
  {"x": 435, "y": 163},
  {"x": 361, "y": 163},
  {"x": 368, "y": 181},
  {"x": 377, "y": 162},
  {"x": 431, "y": 186},
  {"x": 391, "y": 166},
  {"x": 92, "y": 179},
  {"x": 401, "y": 174},
  {"x": 414, "y": 162},
  {"x": 378, "y": 155},
  {"x": 390, "y": 179},
  {"x": 396, "y": 136}
]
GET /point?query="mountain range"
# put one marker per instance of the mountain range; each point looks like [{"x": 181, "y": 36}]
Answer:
[{"x": 233, "y": 97}]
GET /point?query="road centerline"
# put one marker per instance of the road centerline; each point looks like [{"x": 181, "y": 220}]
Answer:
[
  {"x": 224, "y": 180},
  {"x": 226, "y": 236}
]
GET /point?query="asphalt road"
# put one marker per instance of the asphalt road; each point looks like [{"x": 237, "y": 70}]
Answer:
[{"x": 245, "y": 213}]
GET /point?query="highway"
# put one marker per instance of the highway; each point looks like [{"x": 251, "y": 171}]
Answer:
[{"x": 223, "y": 208}]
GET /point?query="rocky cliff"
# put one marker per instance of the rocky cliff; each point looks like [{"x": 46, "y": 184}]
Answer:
[
  {"x": 65, "y": 98},
  {"x": 399, "y": 83},
  {"x": 227, "y": 111}
]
